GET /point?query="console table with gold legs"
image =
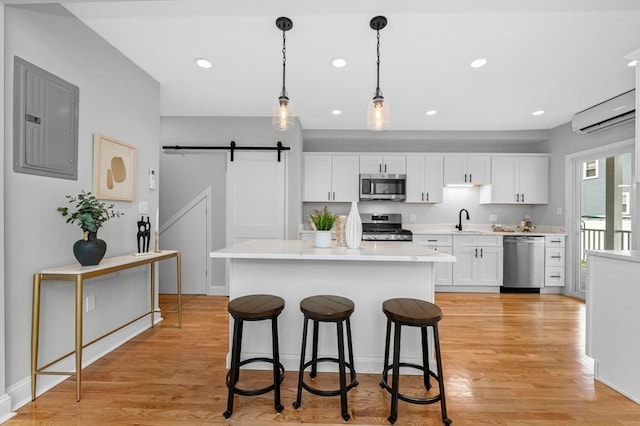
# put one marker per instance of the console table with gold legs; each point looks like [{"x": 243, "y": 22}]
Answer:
[{"x": 78, "y": 274}]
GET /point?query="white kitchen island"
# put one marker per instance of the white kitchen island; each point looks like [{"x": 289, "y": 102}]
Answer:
[
  {"x": 295, "y": 269},
  {"x": 613, "y": 319}
]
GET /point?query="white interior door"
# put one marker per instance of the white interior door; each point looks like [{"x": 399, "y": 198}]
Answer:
[
  {"x": 256, "y": 196},
  {"x": 186, "y": 232}
]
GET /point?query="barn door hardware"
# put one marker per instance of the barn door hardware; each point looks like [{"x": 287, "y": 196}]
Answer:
[{"x": 232, "y": 147}]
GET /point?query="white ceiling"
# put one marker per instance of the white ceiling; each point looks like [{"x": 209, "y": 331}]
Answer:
[{"x": 552, "y": 55}]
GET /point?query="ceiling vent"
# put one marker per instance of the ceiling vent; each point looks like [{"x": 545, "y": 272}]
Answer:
[{"x": 612, "y": 112}]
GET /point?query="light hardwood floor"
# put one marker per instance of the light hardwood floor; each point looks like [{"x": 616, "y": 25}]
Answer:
[{"x": 508, "y": 359}]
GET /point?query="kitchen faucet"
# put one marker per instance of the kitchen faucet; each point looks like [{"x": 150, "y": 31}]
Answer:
[{"x": 459, "y": 225}]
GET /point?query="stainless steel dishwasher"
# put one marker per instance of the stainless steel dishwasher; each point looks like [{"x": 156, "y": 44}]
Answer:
[{"x": 523, "y": 263}]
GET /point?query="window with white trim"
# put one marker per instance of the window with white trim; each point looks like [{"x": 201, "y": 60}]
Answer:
[
  {"x": 625, "y": 203},
  {"x": 590, "y": 169}
]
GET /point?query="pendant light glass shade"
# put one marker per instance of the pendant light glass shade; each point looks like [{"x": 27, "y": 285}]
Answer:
[
  {"x": 283, "y": 117},
  {"x": 283, "y": 114},
  {"x": 378, "y": 114}
]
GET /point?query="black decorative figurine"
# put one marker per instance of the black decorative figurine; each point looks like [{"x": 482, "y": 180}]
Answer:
[{"x": 144, "y": 235}]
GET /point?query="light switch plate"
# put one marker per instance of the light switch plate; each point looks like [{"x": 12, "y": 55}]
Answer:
[
  {"x": 493, "y": 218},
  {"x": 152, "y": 179},
  {"x": 143, "y": 207}
]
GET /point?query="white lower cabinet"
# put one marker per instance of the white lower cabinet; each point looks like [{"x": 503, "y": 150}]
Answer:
[
  {"x": 554, "y": 258},
  {"x": 479, "y": 260},
  {"x": 443, "y": 243}
]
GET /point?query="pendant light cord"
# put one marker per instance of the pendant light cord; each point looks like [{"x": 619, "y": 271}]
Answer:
[
  {"x": 378, "y": 92},
  {"x": 284, "y": 62}
]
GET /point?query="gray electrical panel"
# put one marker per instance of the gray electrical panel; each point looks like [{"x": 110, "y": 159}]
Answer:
[{"x": 45, "y": 123}]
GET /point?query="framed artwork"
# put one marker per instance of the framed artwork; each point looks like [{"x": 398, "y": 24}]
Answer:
[{"x": 114, "y": 169}]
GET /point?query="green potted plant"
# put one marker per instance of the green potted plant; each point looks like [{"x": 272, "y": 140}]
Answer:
[
  {"x": 90, "y": 214},
  {"x": 323, "y": 221}
]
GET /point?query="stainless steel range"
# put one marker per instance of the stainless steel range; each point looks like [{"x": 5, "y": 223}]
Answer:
[{"x": 384, "y": 227}]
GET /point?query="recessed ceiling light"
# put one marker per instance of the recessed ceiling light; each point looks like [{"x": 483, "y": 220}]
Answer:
[
  {"x": 338, "y": 62},
  {"x": 203, "y": 63},
  {"x": 633, "y": 63},
  {"x": 432, "y": 112},
  {"x": 336, "y": 112},
  {"x": 480, "y": 62},
  {"x": 539, "y": 112}
]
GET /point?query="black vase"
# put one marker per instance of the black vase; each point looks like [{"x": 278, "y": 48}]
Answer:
[{"x": 91, "y": 250}]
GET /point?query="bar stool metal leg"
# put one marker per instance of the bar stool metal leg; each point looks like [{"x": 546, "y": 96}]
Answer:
[
  {"x": 443, "y": 405},
  {"x": 314, "y": 353},
  {"x": 305, "y": 326},
  {"x": 425, "y": 358},
  {"x": 350, "y": 348},
  {"x": 395, "y": 379},
  {"x": 276, "y": 365},
  {"x": 387, "y": 342},
  {"x": 342, "y": 373},
  {"x": 235, "y": 366}
]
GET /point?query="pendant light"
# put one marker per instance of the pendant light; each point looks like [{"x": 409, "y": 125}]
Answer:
[
  {"x": 378, "y": 117},
  {"x": 283, "y": 112}
]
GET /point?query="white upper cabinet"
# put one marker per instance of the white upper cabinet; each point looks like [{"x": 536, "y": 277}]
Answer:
[
  {"x": 518, "y": 180},
  {"x": 467, "y": 169},
  {"x": 393, "y": 164},
  {"x": 331, "y": 178},
  {"x": 424, "y": 178}
]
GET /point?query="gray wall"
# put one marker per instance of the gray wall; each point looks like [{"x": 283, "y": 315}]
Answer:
[
  {"x": 185, "y": 174},
  {"x": 117, "y": 99}
]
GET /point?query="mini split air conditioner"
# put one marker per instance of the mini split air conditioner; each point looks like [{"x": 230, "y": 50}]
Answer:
[{"x": 612, "y": 112}]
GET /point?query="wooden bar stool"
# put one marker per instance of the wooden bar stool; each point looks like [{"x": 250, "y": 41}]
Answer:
[
  {"x": 413, "y": 313},
  {"x": 256, "y": 307},
  {"x": 326, "y": 308}
]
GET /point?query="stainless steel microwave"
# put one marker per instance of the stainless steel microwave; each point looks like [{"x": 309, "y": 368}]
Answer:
[{"x": 383, "y": 186}]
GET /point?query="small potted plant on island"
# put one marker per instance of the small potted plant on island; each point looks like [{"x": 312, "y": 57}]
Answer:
[
  {"x": 323, "y": 221},
  {"x": 90, "y": 214}
]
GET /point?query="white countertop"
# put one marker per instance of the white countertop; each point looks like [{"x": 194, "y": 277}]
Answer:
[
  {"x": 305, "y": 250},
  {"x": 628, "y": 255},
  {"x": 434, "y": 229},
  {"x": 467, "y": 229}
]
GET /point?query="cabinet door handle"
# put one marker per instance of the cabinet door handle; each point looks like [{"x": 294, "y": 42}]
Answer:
[
  {"x": 427, "y": 196},
  {"x": 433, "y": 241},
  {"x": 423, "y": 196},
  {"x": 476, "y": 252},
  {"x": 380, "y": 168},
  {"x": 385, "y": 168},
  {"x": 465, "y": 178},
  {"x": 555, "y": 257},
  {"x": 470, "y": 179},
  {"x": 481, "y": 253},
  {"x": 517, "y": 198},
  {"x": 554, "y": 276},
  {"x": 334, "y": 196},
  {"x": 329, "y": 195},
  {"x": 523, "y": 197}
]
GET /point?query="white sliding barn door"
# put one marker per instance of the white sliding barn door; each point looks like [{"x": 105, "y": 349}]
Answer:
[
  {"x": 187, "y": 232},
  {"x": 256, "y": 196}
]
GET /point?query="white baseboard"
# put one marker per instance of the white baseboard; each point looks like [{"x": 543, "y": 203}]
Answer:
[
  {"x": 20, "y": 393},
  {"x": 5, "y": 408},
  {"x": 217, "y": 290}
]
